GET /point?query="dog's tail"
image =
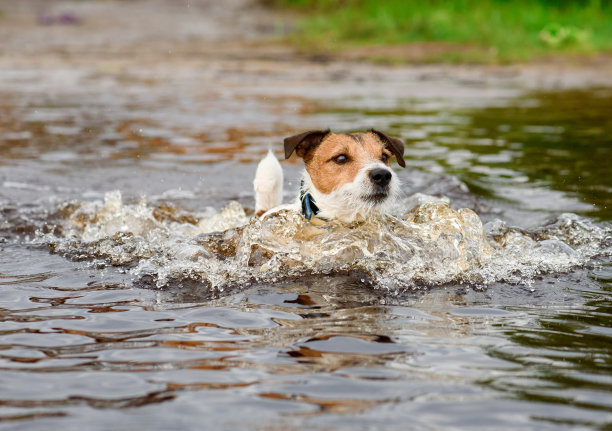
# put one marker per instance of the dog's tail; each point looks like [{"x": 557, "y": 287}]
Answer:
[{"x": 268, "y": 184}]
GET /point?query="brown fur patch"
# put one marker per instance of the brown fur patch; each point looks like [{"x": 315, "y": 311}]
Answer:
[{"x": 360, "y": 148}]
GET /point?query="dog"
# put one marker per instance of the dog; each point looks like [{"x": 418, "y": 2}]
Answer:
[{"x": 347, "y": 177}]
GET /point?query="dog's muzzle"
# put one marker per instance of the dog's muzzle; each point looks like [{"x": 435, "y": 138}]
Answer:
[{"x": 380, "y": 179}]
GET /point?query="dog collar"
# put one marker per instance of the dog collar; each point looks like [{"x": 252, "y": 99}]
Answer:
[{"x": 309, "y": 207}]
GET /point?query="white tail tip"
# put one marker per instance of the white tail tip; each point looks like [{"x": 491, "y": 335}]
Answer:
[{"x": 268, "y": 184}]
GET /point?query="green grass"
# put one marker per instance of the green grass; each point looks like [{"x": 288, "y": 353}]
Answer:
[{"x": 487, "y": 30}]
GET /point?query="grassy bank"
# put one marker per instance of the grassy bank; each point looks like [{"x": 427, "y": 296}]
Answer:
[{"x": 453, "y": 30}]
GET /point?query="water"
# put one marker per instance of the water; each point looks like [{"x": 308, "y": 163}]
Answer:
[{"x": 138, "y": 292}]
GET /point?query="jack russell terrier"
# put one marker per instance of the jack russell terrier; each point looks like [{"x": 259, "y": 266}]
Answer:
[{"x": 347, "y": 176}]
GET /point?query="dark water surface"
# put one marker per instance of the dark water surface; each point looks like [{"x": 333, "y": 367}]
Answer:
[{"x": 84, "y": 346}]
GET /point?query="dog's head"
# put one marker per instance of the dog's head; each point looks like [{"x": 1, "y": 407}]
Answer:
[{"x": 349, "y": 171}]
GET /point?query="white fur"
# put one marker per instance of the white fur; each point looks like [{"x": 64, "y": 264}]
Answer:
[
  {"x": 347, "y": 203},
  {"x": 268, "y": 184}
]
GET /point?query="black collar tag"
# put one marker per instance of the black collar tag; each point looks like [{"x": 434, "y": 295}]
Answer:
[{"x": 309, "y": 207}]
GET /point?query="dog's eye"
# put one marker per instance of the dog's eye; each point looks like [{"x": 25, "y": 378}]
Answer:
[
  {"x": 341, "y": 159},
  {"x": 384, "y": 158}
]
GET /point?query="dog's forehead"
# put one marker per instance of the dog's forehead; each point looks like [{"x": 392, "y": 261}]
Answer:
[
  {"x": 356, "y": 141},
  {"x": 368, "y": 140}
]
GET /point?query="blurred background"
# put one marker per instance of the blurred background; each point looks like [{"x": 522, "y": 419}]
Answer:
[{"x": 456, "y": 31}]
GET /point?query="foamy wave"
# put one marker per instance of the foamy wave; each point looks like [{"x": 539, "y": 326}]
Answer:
[{"x": 431, "y": 244}]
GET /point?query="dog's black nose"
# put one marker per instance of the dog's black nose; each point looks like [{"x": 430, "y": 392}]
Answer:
[{"x": 380, "y": 177}]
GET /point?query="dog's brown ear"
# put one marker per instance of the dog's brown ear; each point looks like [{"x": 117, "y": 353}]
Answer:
[
  {"x": 396, "y": 146},
  {"x": 304, "y": 142}
]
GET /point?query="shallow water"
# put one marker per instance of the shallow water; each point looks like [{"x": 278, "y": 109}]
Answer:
[{"x": 123, "y": 305}]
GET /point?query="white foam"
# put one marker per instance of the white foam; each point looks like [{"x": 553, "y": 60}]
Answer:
[{"x": 431, "y": 244}]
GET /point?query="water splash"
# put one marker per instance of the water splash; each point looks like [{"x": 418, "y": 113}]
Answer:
[{"x": 430, "y": 244}]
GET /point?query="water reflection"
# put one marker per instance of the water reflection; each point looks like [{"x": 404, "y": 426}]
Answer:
[
  {"x": 311, "y": 351},
  {"x": 558, "y": 140},
  {"x": 563, "y": 355},
  {"x": 563, "y": 142}
]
